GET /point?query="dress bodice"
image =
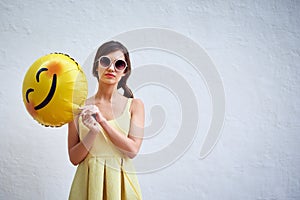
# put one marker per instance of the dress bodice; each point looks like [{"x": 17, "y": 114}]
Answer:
[{"x": 102, "y": 145}]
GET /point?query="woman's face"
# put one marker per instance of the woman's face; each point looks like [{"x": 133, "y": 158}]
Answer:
[{"x": 110, "y": 75}]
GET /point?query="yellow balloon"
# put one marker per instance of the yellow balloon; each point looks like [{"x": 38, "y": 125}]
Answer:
[{"x": 53, "y": 89}]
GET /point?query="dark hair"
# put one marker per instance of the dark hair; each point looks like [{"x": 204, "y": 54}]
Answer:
[{"x": 107, "y": 48}]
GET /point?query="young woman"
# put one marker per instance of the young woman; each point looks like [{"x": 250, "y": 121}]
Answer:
[{"x": 108, "y": 132}]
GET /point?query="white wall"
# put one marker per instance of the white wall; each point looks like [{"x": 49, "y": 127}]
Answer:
[{"x": 255, "y": 48}]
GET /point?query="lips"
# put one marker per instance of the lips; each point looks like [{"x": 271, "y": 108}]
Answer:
[{"x": 110, "y": 75}]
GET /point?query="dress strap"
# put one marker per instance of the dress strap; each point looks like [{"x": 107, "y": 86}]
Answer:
[{"x": 129, "y": 102}]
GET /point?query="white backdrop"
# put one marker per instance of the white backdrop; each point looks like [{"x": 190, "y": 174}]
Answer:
[{"x": 255, "y": 48}]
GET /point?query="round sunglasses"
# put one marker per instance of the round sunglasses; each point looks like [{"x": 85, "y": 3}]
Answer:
[{"x": 105, "y": 62}]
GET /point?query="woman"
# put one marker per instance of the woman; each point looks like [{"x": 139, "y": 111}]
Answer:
[{"x": 108, "y": 132}]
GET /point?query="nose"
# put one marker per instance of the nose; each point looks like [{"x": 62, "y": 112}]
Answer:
[{"x": 111, "y": 67}]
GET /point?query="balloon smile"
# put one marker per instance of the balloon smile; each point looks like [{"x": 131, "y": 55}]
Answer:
[{"x": 50, "y": 93}]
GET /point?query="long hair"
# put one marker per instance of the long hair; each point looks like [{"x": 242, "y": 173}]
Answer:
[{"x": 107, "y": 48}]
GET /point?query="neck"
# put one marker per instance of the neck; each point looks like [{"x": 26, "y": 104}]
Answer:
[{"x": 106, "y": 92}]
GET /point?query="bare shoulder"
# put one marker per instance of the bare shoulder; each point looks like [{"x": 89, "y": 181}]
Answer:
[
  {"x": 138, "y": 102},
  {"x": 137, "y": 105}
]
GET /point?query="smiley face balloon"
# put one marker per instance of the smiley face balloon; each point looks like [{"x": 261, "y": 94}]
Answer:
[{"x": 53, "y": 89}]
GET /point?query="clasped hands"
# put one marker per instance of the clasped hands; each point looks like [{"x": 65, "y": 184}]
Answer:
[{"x": 91, "y": 117}]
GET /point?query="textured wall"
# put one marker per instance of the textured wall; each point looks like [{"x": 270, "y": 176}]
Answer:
[{"x": 255, "y": 47}]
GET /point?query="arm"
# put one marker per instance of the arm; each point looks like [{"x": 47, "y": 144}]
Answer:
[
  {"x": 77, "y": 149},
  {"x": 129, "y": 145}
]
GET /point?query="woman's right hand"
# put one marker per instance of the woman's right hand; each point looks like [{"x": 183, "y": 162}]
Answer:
[{"x": 88, "y": 120}]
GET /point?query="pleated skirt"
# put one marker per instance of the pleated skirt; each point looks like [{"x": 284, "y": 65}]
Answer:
[{"x": 105, "y": 178}]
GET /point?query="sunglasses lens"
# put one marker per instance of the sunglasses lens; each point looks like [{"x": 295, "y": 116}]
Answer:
[
  {"x": 120, "y": 64},
  {"x": 104, "y": 61}
]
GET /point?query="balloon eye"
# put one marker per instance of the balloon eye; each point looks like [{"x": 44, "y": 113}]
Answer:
[
  {"x": 39, "y": 72},
  {"x": 27, "y": 94}
]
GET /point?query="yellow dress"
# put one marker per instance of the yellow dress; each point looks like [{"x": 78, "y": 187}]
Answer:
[{"x": 106, "y": 173}]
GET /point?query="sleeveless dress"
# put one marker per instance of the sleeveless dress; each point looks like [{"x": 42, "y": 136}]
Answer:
[{"x": 106, "y": 173}]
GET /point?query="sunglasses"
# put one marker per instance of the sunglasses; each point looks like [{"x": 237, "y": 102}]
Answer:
[{"x": 105, "y": 62}]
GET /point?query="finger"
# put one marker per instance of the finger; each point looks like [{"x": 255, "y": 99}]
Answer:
[
  {"x": 84, "y": 115},
  {"x": 90, "y": 111},
  {"x": 88, "y": 107},
  {"x": 86, "y": 112},
  {"x": 90, "y": 122},
  {"x": 85, "y": 106}
]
